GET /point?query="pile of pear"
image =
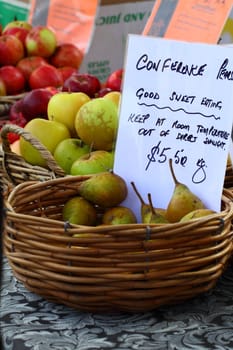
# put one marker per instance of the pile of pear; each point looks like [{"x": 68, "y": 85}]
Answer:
[
  {"x": 184, "y": 205},
  {"x": 100, "y": 196},
  {"x": 98, "y": 202}
]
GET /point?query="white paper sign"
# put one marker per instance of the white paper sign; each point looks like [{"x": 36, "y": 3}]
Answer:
[{"x": 177, "y": 102}]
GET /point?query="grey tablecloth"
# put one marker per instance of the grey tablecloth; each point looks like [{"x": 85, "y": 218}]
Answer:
[{"x": 30, "y": 322}]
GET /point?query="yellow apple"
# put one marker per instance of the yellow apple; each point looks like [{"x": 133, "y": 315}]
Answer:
[
  {"x": 48, "y": 132},
  {"x": 68, "y": 151},
  {"x": 115, "y": 96},
  {"x": 96, "y": 123},
  {"x": 63, "y": 107}
]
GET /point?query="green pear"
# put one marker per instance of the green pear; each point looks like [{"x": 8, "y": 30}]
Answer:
[
  {"x": 154, "y": 216},
  {"x": 146, "y": 209},
  {"x": 118, "y": 215},
  {"x": 182, "y": 201},
  {"x": 105, "y": 189},
  {"x": 79, "y": 211},
  {"x": 197, "y": 213}
]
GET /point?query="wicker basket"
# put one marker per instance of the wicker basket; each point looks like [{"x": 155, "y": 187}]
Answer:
[
  {"x": 228, "y": 181},
  {"x": 15, "y": 170},
  {"x": 132, "y": 268},
  {"x": 6, "y": 102}
]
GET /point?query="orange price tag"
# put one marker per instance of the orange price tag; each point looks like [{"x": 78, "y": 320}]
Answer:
[
  {"x": 193, "y": 20},
  {"x": 72, "y": 21}
]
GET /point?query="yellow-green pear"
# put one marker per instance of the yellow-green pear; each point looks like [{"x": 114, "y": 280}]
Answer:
[
  {"x": 79, "y": 211},
  {"x": 105, "y": 189},
  {"x": 146, "y": 209},
  {"x": 154, "y": 216},
  {"x": 182, "y": 201},
  {"x": 197, "y": 213},
  {"x": 118, "y": 215}
]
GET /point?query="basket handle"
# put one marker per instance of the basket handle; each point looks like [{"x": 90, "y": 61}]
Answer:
[{"x": 44, "y": 152}]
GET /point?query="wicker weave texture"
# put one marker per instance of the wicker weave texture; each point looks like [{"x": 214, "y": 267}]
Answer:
[
  {"x": 133, "y": 268},
  {"x": 15, "y": 169}
]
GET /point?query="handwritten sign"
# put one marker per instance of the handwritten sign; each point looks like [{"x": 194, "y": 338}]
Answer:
[
  {"x": 193, "y": 20},
  {"x": 177, "y": 103}
]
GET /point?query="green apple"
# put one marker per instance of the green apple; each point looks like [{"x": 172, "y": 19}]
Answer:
[
  {"x": 63, "y": 107},
  {"x": 96, "y": 123},
  {"x": 92, "y": 163},
  {"x": 69, "y": 150},
  {"x": 79, "y": 211},
  {"x": 48, "y": 132}
]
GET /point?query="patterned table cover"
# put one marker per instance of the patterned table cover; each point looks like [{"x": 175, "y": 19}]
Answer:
[{"x": 30, "y": 322}]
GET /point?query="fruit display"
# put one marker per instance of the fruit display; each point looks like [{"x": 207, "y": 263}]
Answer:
[
  {"x": 76, "y": 118},
  {"x": 34, "y": 66},
  {"x": 27, "y": 48}
]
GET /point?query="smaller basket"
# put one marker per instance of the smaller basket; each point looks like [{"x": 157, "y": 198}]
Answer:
[
  {"x": 15, "y": 170},
  {"x": 228, "y": 181},
  {"x": 5, "y": 104},
  {"x": 132, "y": 268}
]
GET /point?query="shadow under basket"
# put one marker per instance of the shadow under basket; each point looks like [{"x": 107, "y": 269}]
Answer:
[{"x": 131, "y": 268}]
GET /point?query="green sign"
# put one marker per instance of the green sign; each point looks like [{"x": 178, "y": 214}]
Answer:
[{"x": 10, "y": 12}]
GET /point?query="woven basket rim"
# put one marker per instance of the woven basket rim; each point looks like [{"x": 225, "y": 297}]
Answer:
[
  {"x": 133, "y": 267},
  {"x": 35, "y": 187},
  {"x": 14, "y": 166}
]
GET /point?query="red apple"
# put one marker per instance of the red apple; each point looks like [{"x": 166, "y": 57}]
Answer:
[
  {"x": 114, "y": 80},
  {"x": 103, "y": 91},
  {"x": 11, "y": 50},
  {"x": 67, "y": 54},
  {"x": 34, "y": 103},
  {"x": 16, "y": 117},
  {"x": 82, "y": 82},
  {"x": 15, "y": 111},
  {"x": 41, "y": 41},
  {"x": 2, "y": 87},
  {"x": 28, "y": 64},
  {"x": 66, "y": 72},
  {"x": 45, "y": 75},
  {"x": 19, "y": 32},
  {"x": 13, "y": 78}
]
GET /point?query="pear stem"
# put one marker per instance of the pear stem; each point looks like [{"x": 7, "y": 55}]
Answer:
[
  {"x": 151, "y": 203},
  {"x": 172, "y": 172},
  {"x": 137, "y": 193}
]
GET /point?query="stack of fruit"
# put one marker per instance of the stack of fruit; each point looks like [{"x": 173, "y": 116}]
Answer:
[
  {"x": 31, "y": 57},
  {"x": 34, "y": 66}
]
